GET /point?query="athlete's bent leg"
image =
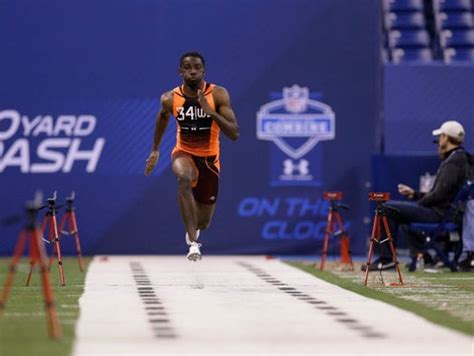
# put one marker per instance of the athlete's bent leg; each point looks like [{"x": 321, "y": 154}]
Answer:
[
  {"x": 204, "y": 215},
  {"x": 185, "y": 173}
]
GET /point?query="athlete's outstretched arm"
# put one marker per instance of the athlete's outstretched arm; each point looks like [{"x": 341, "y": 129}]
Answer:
[
  {"x": 224, "y": 116},
  {"x": 162, "y": 120}
]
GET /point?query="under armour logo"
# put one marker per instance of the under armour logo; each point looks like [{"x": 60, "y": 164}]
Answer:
[
  {"x": 289, "y": 167},
  {"x": 213, "y": 198}
]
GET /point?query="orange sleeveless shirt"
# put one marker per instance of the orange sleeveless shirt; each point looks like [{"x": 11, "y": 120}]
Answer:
[{"x": 197, "y": 133}]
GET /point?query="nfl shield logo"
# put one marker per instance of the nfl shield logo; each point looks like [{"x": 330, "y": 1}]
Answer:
[{"x": 296, "y": 99}]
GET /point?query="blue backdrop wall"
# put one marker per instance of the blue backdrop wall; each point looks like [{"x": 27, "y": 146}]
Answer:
[{"x": 81, "y": 82}]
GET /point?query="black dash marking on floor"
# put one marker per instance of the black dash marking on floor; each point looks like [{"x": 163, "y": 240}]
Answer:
[
  {"x": 347, "y": 320},
  {"x": 319, "y": 304},
  {"x": 336, "y": 313},
  {"x": 360, "y": 327},
  {"x": 373, "y": 335},
  {"x": 159, "y": 320},
  {"x": 162, "y": 328},
  {"x": 166, "y": 336},
  {"x": 157, "y": 313}
]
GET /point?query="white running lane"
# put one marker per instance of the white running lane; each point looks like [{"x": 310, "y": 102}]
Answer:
[{"x": 157, "y": 305}]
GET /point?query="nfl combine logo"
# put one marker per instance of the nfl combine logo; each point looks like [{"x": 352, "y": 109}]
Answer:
[{"x": 296, "y": 122}]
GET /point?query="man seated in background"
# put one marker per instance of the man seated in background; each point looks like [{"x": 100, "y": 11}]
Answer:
[{"x": 428, "y": 207}]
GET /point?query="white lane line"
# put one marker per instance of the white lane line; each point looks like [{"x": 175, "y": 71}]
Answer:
[{"x": 234, "y": 305}]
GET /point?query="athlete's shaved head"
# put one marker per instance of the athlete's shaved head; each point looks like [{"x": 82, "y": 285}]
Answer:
[{"x": 192, "y": 54}]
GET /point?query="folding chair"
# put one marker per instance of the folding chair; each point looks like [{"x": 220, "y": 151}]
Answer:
[{"x": 433, "y": 232}]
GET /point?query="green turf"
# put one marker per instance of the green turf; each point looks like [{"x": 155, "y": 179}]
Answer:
[
  {"x": 445, "y": 299},
  {"x": 23, "y": 325}
]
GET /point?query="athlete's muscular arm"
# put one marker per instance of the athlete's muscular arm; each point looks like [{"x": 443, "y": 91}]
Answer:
[
  {"x": 162, "y": 120},
  {"x": 224, "y": 116}
]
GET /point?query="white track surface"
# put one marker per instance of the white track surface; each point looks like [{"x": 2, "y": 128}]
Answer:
[{"x": 224, "y": 305}]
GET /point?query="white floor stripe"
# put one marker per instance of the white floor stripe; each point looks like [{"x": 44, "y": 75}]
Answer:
[{"x": 221, "y": 306}]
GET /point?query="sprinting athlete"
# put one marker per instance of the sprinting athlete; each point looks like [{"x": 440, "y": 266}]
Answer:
[{"x": 202, "y": 110}]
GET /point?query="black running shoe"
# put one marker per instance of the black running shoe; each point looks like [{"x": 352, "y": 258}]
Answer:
[{"x": 467, "y": 265}]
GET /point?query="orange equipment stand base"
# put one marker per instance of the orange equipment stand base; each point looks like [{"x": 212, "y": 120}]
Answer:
[
  {"x": 50, "y": 219},
  {"x": 69, "y": 217},
  {"x": 334, "y": 217},
  {"x": 379, "y": 219}
]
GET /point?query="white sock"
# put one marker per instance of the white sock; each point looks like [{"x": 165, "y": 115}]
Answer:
[{"x": 188, "y": 241}]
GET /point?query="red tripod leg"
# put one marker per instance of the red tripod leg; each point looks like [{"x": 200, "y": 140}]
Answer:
[
  {"x": 62, "y": 224},
  {"x": 61, "y": 227},
  {"x": 51, "y": 239},
  {"x": 373, "y": 238},
  {"x": 329, "y": 230},
  {"x": 73, "y": 223},
  {"x": 32, "y": 256},
  {"x": 392, "y": 248},
  {"x": 57, "y": 246},
  {"x": 40, "y": 254},
  {"x": 32, "y": 263},
  {"x": 18, "y": 252},
  {"x": 345, "y": 250}
]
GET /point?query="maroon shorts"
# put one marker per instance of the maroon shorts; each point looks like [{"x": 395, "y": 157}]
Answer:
[{"x": 206, "y": 185}]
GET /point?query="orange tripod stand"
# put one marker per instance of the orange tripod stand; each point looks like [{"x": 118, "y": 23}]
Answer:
[
  {"x": 31, "y": 233},
  {"x": 69, "y": 217},
  {"x": 379, "y": 219},
  {"x": 50, "y": 219},
  {"x": 334, "y": 217}
]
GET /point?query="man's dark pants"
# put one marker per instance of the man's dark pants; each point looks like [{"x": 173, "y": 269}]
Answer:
[{"x": 407, "y": 212}]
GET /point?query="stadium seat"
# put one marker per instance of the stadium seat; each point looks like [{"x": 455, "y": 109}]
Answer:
[
  {"x": 452, "y": 5},
  {"x": 458, "y": 55},
  {"x": 403, "y": 5},
  {"x": 434, "y": 233},
  {"x": 455, "y": 20},
  {"x": 418, "y": 55},
  {"x": 409, "y": 20},
  {"x": 458, "y": 38},
  {"x": 412, "y": 38}
]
